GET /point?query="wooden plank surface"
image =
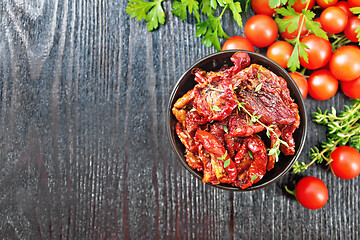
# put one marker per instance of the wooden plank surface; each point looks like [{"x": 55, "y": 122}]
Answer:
[{"x": 84, "y": 152}]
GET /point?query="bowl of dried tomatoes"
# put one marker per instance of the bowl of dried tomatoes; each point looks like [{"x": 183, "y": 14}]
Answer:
[{"x": 236, "y": 120}]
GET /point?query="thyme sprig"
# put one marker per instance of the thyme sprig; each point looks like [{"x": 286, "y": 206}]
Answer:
[
  {"x": 341, "y": 130},
  {"x": 275, "y": 150}
]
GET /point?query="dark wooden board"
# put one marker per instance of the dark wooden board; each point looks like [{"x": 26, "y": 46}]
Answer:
[{"x": 84, "y": 152}]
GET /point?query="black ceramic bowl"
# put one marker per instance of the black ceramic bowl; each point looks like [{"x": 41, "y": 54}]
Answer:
[{"x": 214, "y": 62}]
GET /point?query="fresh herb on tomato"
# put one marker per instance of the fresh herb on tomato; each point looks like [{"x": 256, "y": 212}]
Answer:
[
  {"x": 356, "y": 10},
  {"x": 297, "y": 21}
]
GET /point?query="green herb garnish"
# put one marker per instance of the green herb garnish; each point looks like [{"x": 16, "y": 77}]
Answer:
[
  {"x": 258, "y": 87},
  {"x": 253, "y": 177},
  {"x": 226, "y": 163},
  {"x": 216, "y": 108},
  {"x": 341, "y": 130},
  {"x": 275, "y": 150},
  {"x": 297, "y": 21},
  {"x": 225, "y": 129}
]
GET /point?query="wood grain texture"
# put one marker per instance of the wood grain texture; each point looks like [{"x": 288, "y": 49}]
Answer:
[{"x": 84, "y": 152}]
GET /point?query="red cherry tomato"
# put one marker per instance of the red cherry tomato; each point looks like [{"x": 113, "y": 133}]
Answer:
[
  {"x": 345, "y": 162},
  {"x": 262, "y": 7},
  {"x": 345, "y": 63},
  {"x": 301, "y": 82},
  {"x": 351, "y": 88},
  {"x": 238, "y": 43},
  {"x": 333, "y": 20},
  {"x": 280, "y": 52},
  {"x": 299, "y": 5},
  {"x": 352, "y": 25},
  {"x": 354, "y": 3},
  {"x": 287, "y": 35},
  {"x": 322, "y": 85},
  {"x": 344, "y": 5},
  {"x": 311, "y": 192},
  {"x": 319, "y": 52},
  {"x": 324, "y": 4},
  {"x": 261, "y": 30}
]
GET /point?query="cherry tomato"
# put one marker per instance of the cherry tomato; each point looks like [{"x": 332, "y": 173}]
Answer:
[
  {"x": 351, "y": 88},
  {"x": 280, "y": 52},
  {"x": 261, "y": 30},
  {"x": 345, "y": 162},
  {"x": 352, "y": 25},
  {"x": 299, "y": 5},
  {"x": 354, "y": 3},
  {"x": 322, "y": 85},
  {"x": 345, "y": 63},
  {"x": 344, "y": 5},
  {"x": 325, "y": 4},
  {"x": 311, "y": 192},
  {"x": 287, "y": 35},
  {"x": 238, "y": 42},
  {"x": 301, "y": 82},
  {"x": 319, "y": 52},
  {"x": 333, "y": 20},
  {"x": 262, "y": 7}
]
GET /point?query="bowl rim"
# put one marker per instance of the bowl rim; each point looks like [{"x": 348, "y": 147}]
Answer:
[{"x": 180, "y": 156}]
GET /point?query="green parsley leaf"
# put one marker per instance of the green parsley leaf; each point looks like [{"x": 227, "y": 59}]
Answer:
[
  {"x": 292, "y": 2},
  {"x": 179, "y": 9},
  {"x": 152, "y": 12},
  {"x": 206, "y": 7},
  {"x": 290, "y": 24},
  {"x": 211, "y": 29},
  {"x": 253, "y": 177},
  {"x": 235, "y": 8},
  {"x": 276, "y": 3},
  {"x": 226, "y": 163},
  {"x": 355, "y": 10},
  {"x": 357, "y": 30},
  {"x": 289, "y": 11},
  {"x": 294, "y": 62},
  {"x": 312, "y": 26}
]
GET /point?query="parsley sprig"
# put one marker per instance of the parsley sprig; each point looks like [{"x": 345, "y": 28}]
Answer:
[
  {"x": 152, "y": 12},
  {"x": 341, "y": 130},
  {"x": 275, "y": 150},
  {"x": 209, "y": 26},
  {"x": 296, "y": 21}
]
